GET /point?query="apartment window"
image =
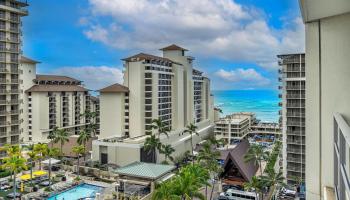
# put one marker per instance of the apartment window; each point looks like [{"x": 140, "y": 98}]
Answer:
[
  {"x": 30, "y": 110},
  {"x": 147, "y": 75},
  {"x": 30, "y": 133}
]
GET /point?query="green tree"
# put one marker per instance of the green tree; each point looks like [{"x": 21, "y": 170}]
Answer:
[
  {"x": 158, "y": 125},
  {"x": 151, "y": 145},
  {"x": 273, "y": 179},
  {"x": 167, "y": 150},
  {"x": 12, "y": 150},
  {"x": 33, "y": 156},
  {"x": 52, "y": 153},
  {"x": 166, "y": 192},
  {"x": 90, "y": 117},
  {"x": 83, "y": 138},
  {"x": 41, "y": 150},
  {"x": 256, "y": 154},
  {"x": 207, "y": 157},
  {"x": 79, "y": 150},
  {"x": 62, "y": 137},
  {"x": 52, "y": 135},
  {"x": 255, "y": 184},
  {"x": 191, "y": 129},
  {"x": 15, "y": 164}
]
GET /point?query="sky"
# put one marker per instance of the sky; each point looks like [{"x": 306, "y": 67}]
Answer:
[{"x": 235, "y": 42}]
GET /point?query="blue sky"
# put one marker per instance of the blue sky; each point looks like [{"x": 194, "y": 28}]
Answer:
[{"x": 235, "y": 42}]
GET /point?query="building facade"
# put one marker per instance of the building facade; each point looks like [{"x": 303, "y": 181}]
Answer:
[
  {"x": 50, "y": 101},
  {"x": 11, "y": 12},
  {"x": 233, "y": 128},
  {"x": 166, "y": 88},
  {"x": 292, "y": 78},
  {"x": 327, "y": 95}
]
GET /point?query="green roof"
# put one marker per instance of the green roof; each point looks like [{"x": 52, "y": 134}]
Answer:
[{"x": 145, "y": 170}]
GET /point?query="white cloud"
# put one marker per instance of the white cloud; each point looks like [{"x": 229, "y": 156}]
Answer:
[
  {"x": 248, "y": 77},
  {"x": 93, "y": 77},
  {"x": 221, "y": 28}
]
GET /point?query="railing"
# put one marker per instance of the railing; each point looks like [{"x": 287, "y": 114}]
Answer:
[{"x": 341, "y": 164}]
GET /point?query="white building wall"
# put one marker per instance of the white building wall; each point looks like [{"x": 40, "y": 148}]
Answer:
[
  {"x": 112, "y": 120},
  {"x": 327, "y": 92}
]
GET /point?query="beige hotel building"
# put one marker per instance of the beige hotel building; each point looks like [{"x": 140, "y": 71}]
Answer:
[
  {"x": 50, "y": 101},
  {"x": 166, "y": 87}
]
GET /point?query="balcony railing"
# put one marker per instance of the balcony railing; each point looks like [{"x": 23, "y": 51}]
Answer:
[{"x": 341, "y": 131}]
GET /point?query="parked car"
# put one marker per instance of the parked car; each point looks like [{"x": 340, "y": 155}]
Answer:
[
  {"x": 288, "y": 192},
  {"x": 233, "y": 194}
]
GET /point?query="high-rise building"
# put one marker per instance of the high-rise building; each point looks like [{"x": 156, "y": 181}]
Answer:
[
  {"x": 50, "y": 101},
  {"x": 292, "y": 77},
  {"x": 166, "y": 88},
  {"x": 11, "y": 12},
  {"x": 327, "y": 39}
]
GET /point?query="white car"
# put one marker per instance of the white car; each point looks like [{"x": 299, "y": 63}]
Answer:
[{"x": 288, "y": 192}]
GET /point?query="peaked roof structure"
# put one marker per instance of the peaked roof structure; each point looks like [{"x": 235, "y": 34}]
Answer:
[
  {"x": 145, "y": 170},
  {"x": 41, "y": 77},
  {"x": 28, "y": 60},
  {"x": 173, "y": 47},
  {"x": 235, "y": 156},
  {"x": 114, "y": 89}
]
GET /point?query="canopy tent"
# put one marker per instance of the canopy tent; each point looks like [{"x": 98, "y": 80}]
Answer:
[{"x": 53, "y": 161}]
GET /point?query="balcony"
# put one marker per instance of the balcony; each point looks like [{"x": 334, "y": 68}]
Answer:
[
  {"x": 295, "y": 160},
  {"x": 296, "y": 123},
  {"x": 14, "y": 112},
  {"x": 295, "y": 114},
  {"x": 295, "y": 96},
  {"x": 295, "y": 150},
  {"x": 298, "y": 142},
  {"x": 15, "y": 81},
  {"x": 295, "y": 87}
]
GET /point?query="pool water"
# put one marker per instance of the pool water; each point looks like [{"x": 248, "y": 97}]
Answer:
[{"x": 78, "y": 192}]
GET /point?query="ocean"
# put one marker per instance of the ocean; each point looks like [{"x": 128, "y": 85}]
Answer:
[{"x": 264, "y": 103}]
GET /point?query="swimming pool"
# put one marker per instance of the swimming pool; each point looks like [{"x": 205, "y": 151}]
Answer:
[{"x": 78, "y": 192}]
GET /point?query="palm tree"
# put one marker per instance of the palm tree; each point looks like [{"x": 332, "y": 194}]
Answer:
[
  {"x": 61, "y": 136},
  {"x": 254, "y": 184},
  {"x": 83, "y": 138},
  {"x": 190, "y": 179},
  {"x": 158, "y": 124},
  {"x": 79, "y": 150},
  {"x": 207, "y": 157},
  {"x": 33, "y": 155},
  {"x": 191, "y": 129},
  {"x": 167, "y": 150},
  {"x": 165, "y": 191},
  {"x": 151, "y": 145},
  {"x": 14, "y": 164},
  {"x": 41, "y": 150},
  {"x": 52, "y": 153},
  {"x": 256, "y": 154},
  {"x": 12, "y": 149},
  {"x": 272, "y": 179},
  {"x": 90, "y": 116},
  {"x": 52, "y": 135}
]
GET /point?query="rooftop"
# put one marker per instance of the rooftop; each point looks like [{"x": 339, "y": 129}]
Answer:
[
  {"x": 144, "y": 56},
  {"x": 173, "y": 47},
  {"x": 145, "y": 170},
  {"x": 41, "y": 77},
  {"x": 114, "y": 89},
  {"x": 57, "y": 88},
  {"x": 28, "y": 60}
]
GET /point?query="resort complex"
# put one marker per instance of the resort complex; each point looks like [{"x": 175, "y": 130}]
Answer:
[{"x": 156, "y": 131}]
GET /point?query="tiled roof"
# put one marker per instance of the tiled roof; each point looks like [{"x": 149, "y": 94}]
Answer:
[
  {"x": 247, "y": 169},
  {"x": 28, "y": 60},
  {"x": 56, "y": 88},
  {"x": 144, "y": 56},
  {"x": 41, "y": 77},
  {"x": 145, "y": 170},
  {"x": 114, "y": 88},
  {"x": 172, "y": 48}
]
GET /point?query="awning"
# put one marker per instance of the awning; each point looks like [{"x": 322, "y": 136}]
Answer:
[{"x": 53, "y": 161}]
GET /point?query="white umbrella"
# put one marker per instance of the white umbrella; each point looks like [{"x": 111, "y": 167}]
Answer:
[{"x": 53, "y": 161}]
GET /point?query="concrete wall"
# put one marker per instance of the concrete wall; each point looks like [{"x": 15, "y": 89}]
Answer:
[
  {"x": 327, "y": 92},
  {"x": 112, "y": 114}
]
